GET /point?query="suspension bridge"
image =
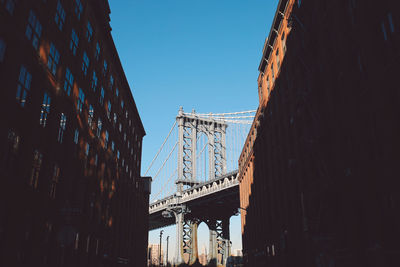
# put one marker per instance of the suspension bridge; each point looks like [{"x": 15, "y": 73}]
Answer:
[{"x": 195, "y": 180}]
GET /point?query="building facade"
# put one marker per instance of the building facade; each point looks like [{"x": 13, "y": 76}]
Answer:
[
  {"x": 70, "y": 140},
  {"x": 319, "y": 166},
  {"x": 153, "y": 255}
]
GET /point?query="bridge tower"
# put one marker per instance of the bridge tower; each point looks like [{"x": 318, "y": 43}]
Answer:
[{"x": 189, "y": 127}]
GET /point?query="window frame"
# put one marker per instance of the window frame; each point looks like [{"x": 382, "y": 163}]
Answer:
[
  {"x": 74, "y": 42},
  {"x": 68, "y": 82},
  {"x": 85, "y": 63},
  {"x": 53, "y": 59},
  {"x": 80, "y": 101},
  {"x": 89, "y": 31},
  {"x": 59, "y": 18},
  {"x": 45, "y": 109},
  {"x": 62, "y": 127},
  {"x": 23, "y": 86},
  {"x": 33, "y": 29}
]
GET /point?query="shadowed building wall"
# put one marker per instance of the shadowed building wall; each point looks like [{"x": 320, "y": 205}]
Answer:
[
  {"x": 70, "y": 140},
  {"x": 319, "y": 168}
]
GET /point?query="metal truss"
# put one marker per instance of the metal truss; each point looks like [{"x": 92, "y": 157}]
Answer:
[
  {"x": 188, "y": 156},
  {"x": 219, "y": 153},
  {"x": 187, "y": 237},
  {"x": 220, "y": 238}
]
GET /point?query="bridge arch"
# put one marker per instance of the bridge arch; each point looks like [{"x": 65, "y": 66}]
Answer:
[{"x": 203, "y": 240}]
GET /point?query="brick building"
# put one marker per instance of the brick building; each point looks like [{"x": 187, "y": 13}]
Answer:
[
  {"x": 153, "y": 255},
  {"x": 318, "y": 172},
  {"x": 70, "y": 140}
]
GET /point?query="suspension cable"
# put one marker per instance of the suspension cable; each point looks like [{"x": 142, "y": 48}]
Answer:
[
  {"x": 159, "y": 150},
  {"x": 163, "y": 186},
  {"x": 231, "y": 117},
  {"x": 165, "y": 161},
  {"x": 222, "y": 114}
]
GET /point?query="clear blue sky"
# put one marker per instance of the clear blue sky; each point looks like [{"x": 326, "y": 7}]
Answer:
[{"x": 201, "y": 55}]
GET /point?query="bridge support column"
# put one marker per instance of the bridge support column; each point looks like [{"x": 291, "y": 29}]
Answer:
[
  {"x": 226, "y": 240},
  {"x": 219, "y": 248},
  {"x": 179, "y": 238},
  {"x": 195, "y": 252},
  {"x": 212, "y": 253}
]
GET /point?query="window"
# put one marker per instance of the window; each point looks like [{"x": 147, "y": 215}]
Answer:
[
  {"x": 268, "y": 84},
  {"x": 384, "y": 31},
  {"x": 89, "y": 31},
  {"x": 122, "y": 104},
  {"x": 54, "y": 58},
  {"x": 99, "y": 125},
  {"x": 391, "y": 25},
  {"x": 118, "y": 154},
  {"x": 36, "y": 165},
  {"x": 33, "y": 29},
  {"x": 93, "y": 84},
  {"x": 85, "y": 63},
  {"x": 76, "y": 245},
  {"x": 90, "y": 115},
  {"x": 115, "y": 118},
  {"x": 111, "y": 81},
  {"x": 272, "y": 71},
  {"x": 73, "y": 44},
  {"x": 69, "y": 81},
  {"x": 45, "y": 110},
  {"x": 12, "y": 150},
  {"x": 81, "y": 100},
  {"x": 120, "y": 127},
  {"x": 298, "y": 3},
  {"x": 96, "y": 159},
  {"x": 87, "y": 149},
  {"x": 78, "y": 8},
  {"x": 2, "y": 49},
  {"x": 106, "y": 140},
  {"x": 108, "y": 109},
  {"x": 61, "y": 129},
  {"x": 112, "y": 146},
  {"x": 278, "y": 63},
  {"x": 54, "y": 181},
  {"x": 284, "y": 48},
  {"x": 60, "y": 16},
  {"x": 24, "y": 85},
  {"x": 125, "y": 137},
  {"x": 104, "y": 67},
  {"x": 76, "y": 136},
  {"x": 10, "y": 5},
  {"x": 97, "y": 52},
  {"x": 116, "y": 92},
  {"x": 101, "y": 100}
]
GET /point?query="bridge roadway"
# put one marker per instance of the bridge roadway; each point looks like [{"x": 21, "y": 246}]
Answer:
[{"x": 212, "y": 199}]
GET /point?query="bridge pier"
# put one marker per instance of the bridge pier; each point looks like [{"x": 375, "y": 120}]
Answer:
[
  {"x": 179, "y": 237},
  {"x": 219, "y": 247}
]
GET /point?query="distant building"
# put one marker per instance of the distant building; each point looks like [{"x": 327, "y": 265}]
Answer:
[
  {"x": 70, "y": 140},
  {"x": 319, "y": 170},
  {"x": 153, "y": 258},
  {"x": 238, "y": 252},
  {"x": 203, "y": 256}
]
